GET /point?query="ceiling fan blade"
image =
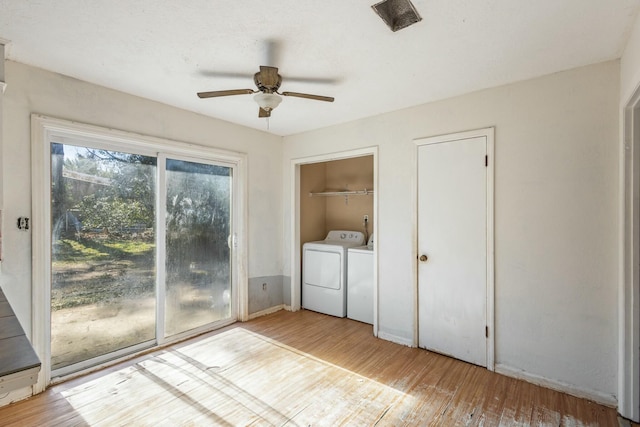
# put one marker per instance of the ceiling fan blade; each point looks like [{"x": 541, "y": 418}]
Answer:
[
  {"x": 317, "y": 80},
  {"x": 269, "y": 75},
  {"x": 272, "y": 52},
  {"x": 225, "y": 74},
  {"x": 264, "y": 113},
  {"x": 308, "y": 96},
  {"x": 216, "y": 93},
  {"x": 295, "y": 79}
]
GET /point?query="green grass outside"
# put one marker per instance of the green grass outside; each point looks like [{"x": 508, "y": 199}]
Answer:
[{"x": 95, "y": 271}]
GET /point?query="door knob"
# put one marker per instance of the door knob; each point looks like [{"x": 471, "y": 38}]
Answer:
[{"x": 423, "y": 258}]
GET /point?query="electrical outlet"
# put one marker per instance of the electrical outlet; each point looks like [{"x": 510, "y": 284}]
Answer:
[
  {"x": 264, "y": 286},
  {"x": 365, "y": 218}
]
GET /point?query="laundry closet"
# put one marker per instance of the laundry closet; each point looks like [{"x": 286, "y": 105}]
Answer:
[{"x": 336, "y": 244}]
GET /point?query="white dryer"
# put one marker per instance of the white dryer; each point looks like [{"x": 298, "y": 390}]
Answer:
[{"x": 324, "y": 272}]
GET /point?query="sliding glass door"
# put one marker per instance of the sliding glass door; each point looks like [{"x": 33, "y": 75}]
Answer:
[
  {"x": 102, "y": 252},
  {"x": 141, "y": 251},
  {"x": 197, "y": 239}
]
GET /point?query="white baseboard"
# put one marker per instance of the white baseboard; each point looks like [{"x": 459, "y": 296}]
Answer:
[
  {"x": 396, "y": 339},
  {"x": 601, "y": 398},
  {"x": 266, "y": 311},
  {"x": 16, "y": 395}
]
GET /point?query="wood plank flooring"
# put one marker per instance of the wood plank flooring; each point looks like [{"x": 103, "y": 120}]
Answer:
[{"x": 300, "y": 369}]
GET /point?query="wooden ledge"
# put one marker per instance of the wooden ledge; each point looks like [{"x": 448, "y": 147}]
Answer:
[{"x": 19, "y": 364}]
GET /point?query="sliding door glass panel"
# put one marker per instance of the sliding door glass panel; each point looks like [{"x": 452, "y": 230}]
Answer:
[
  {"x": 102, "y": 252},
  {"x": 198, "y": 256}
]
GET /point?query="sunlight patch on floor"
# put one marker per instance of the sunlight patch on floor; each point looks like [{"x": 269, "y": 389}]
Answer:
[{"x": 233, "y": 378}]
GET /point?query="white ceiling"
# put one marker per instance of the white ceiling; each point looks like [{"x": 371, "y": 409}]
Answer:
[{"x": 168, "y": 50}]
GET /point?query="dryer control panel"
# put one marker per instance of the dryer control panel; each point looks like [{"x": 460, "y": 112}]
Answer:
[{"x": 356, "y": 237}]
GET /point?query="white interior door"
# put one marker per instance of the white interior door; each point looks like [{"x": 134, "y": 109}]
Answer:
[{"x": 452, "y": 247}]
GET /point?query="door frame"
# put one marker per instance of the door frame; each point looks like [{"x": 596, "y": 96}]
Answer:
[
  {"x": 489, "y": 135},
  {"x": 629, "y": 283},
  {"x": 43, "y": 128},
  {"x": 295, "y": 253}
]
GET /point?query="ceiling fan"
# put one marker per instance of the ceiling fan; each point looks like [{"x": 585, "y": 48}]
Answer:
[{"x": 268, "y": 81}]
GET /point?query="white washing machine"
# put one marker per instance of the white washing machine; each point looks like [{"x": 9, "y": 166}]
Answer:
[
  {"x": 324, "y": 272},
  {"x": 360, "y": 283}
]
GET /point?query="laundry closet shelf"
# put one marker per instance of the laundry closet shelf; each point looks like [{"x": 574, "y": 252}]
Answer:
[{"x": 364, "y": 192}]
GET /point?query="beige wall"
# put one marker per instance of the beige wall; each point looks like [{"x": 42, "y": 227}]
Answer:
[
  {"x": 319, "y": 215},
  {"x": 313, "y": 217},
  {"x": 630, "y": 65},
  {"x": 345, "y": 213}
]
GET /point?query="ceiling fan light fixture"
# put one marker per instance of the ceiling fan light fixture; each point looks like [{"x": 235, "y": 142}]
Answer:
[{"x": 268, "y": 101}]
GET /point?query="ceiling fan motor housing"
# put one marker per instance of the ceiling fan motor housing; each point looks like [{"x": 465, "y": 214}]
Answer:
[{"x": 267, "y": 79}]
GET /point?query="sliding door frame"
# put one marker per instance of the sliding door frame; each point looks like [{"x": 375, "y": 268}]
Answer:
[
  {"x": 43, "y": 130},
  {"x": 629, "y": 285}
]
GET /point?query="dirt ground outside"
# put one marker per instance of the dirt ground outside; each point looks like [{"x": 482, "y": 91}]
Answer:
[{"x": 108, "y": 303}]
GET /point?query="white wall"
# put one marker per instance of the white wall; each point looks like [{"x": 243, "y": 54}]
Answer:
[
  {"x": 32, "y": 90},
  {"x": 556, "y": 217},
  {"x": 630, "y": 65}
]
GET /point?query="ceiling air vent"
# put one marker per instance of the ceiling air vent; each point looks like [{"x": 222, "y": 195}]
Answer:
[{"x": 397, "y": 14}]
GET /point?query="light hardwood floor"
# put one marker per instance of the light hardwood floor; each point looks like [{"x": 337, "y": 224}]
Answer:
[{"x": 299, "y": 369}]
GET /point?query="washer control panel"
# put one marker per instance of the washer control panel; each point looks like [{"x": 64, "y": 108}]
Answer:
[{"x": 346, "y": 236}]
